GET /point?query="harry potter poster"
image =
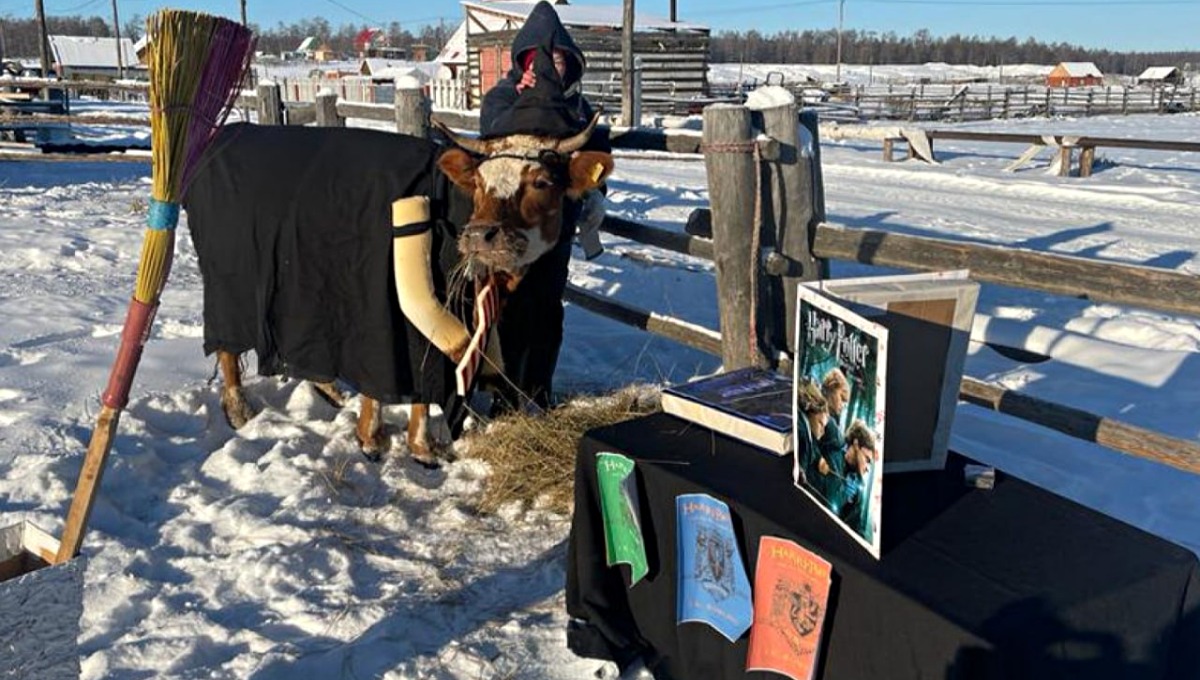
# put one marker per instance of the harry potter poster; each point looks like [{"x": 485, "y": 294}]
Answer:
[{"x": 838, "y": 412}]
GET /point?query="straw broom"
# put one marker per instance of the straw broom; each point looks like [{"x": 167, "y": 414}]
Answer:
[{"x": 196, "y": 62}]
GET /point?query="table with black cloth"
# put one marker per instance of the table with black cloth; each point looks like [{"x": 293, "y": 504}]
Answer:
[{"x": 1012, "y": 582}]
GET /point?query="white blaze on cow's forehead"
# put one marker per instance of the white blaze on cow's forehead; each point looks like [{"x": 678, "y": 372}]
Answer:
[{"x": 502, "y": 176}]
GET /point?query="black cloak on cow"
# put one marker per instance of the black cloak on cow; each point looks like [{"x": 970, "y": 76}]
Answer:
[{"x": 297, "y": 259}]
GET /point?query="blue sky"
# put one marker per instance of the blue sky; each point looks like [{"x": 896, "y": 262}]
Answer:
[{"x": 1116, "y": 24}]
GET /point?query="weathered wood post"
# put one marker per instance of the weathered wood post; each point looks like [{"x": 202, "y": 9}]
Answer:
[
  {"x": 1007, "y": 103},
  {"x": 327, "y": 115},
  {"x": 270, "y": 104},
  {"x": 789, "y": 221},
  {"x": 1125, "y": 101},
  {"x": 412, "y": 108},
  {"x": 729, "y": 161}
]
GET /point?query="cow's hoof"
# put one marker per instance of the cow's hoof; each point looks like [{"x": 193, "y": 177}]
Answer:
[
  {"x": 330, "y": 393},
  {"x": 425, "y": 456},
  {"x": 374, "y": 447},
  {"x": 237, "y": 409}
]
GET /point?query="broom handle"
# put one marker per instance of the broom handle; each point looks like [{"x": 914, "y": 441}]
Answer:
[{"x": 153, "y": 269}]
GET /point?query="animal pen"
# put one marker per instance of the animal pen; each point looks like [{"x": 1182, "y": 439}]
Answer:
[{"x": 784, "y": 198}]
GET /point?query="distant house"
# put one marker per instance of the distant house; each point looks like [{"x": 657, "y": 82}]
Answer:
[
  {"x": 1158, "y": 76},
  {"x": 674, "y": 54},
  {"x": 81, "y": 58},
  {"x": 384, "y": 70},
  {"x": 1075, "y": 74}
]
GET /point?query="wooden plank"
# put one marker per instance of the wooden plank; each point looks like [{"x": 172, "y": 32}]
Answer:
[
  {"x": 1146, "y": 287},
  {"x": 659, "y": 238},
  {"x": 380, "y": 112},
  {"x": 690, "y": 335},
  {"x": 1160, "y": 448},
  {"x": 733, "y": 192}
]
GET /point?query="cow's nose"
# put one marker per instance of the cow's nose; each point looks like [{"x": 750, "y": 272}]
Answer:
[{"x": 485, "y": 231}]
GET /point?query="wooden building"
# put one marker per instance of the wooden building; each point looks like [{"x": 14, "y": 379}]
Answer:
[
  {"x": 87, "y": 58},
  {"x": 674, "y": 55},
  {"x": 1075, "y": 74},
  {"x": 1160, "y": 76}
]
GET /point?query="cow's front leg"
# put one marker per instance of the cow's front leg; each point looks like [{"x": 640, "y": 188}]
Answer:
[
  {"x": 370, "y": 429},
  {"x": 237, "y": 409},
  {"x": 420, "y": 440}
]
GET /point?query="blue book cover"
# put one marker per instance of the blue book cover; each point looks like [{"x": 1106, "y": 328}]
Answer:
[{"x": 712, "y": 583}]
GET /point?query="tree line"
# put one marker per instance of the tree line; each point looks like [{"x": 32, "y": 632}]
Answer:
[
  {"x": 18, "y": 38},
  {"x": 871, "y": 47}
]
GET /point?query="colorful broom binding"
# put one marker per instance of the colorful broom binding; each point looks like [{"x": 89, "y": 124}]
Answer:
[{"x": 197, "y": 62}]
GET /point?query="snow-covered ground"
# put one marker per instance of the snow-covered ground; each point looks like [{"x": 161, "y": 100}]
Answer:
[{"x": 278, "y": 551}]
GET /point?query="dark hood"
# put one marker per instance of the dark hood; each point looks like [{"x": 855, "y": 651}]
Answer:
[
  {"x": 543, "y": 30},
  {"x": 546, "y": 109}
]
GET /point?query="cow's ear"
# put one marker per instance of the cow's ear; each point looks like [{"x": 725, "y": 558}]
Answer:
[
  {"x": 459, "y": 166},
  {"x": 589, "y": 169}
]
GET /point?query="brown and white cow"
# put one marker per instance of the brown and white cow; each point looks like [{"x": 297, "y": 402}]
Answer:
[{"x": 286, "y": 223}]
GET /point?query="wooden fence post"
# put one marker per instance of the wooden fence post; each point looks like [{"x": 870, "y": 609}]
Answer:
[
  {"x": 1125, "y": 101},
  {"x": 789, "y": 207},
  {"x": 412, "y": 108},
  {"x": 327, "y": 115},
  {"x": 270, "y": 104},
  {"x": 1007, "y": 103},
  {"x": 732, "y": 182}
]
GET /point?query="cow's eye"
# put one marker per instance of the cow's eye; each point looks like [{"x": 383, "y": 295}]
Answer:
[{"x": 542, "y": 183}]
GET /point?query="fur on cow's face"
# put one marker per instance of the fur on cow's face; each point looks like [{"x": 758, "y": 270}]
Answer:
[{"x": 517, "y": 191}]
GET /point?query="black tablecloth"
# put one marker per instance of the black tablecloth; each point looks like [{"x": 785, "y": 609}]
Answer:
[{"x": 1012, "y": 582}]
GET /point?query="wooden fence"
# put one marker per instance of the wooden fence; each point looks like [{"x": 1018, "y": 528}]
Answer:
[
  {"x": 987, "y": 102},
  {"x": 785, "y": 201}
]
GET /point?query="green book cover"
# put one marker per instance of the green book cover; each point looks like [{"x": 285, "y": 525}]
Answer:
[{"x": 623, "y": 542}]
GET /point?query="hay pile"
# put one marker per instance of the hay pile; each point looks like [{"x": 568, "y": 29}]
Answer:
[{"x": 533, "y": 457}]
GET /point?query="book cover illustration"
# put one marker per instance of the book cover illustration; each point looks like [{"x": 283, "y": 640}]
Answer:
[
  {"x": 752, "y": 393},
  {"x": 712, "y": 583},
  {"x": 623, "y": 541},
  {"x": 791, "y": 592},
  {"x": 841, "y": 369}
]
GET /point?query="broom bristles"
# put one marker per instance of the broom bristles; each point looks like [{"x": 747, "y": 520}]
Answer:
[{"x": 196, "y": 63}]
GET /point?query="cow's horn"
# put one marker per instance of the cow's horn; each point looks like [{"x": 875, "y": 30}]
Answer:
[
  {"x": 479, "y": 146},
  {"x": 573, "y": 143}
]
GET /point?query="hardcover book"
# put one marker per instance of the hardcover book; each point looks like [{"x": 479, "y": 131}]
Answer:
[
  {"x": 791, "y": 596},
  {"x": 839, "y": 413},
  {"x": 712, "y": 583},
  {"x": 750, "y": 404},
  {"x": 929, "y": 318}
]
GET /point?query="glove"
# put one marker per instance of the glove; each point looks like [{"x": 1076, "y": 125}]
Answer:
[{"x": 591, "y": 216}]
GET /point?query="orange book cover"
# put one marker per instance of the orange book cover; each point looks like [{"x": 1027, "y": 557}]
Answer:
[{"x": 791, "y": 590}]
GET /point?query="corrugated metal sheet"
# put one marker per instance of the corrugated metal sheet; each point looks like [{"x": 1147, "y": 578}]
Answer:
[{"x": 78, "y": 52}]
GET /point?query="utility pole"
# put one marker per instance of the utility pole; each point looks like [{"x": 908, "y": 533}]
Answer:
[
  {"x": 673, "y": 16},
  {"x": 43, "y": 42},
  {"x": 244, "y": 13},
  {"x": 841, "y": 16},
  {"x": 117, "y": 31},
  {"x": 627, "y": 67}
]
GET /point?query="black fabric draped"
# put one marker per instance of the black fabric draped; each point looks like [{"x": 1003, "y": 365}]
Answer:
[{"x": 292, "y": 227}]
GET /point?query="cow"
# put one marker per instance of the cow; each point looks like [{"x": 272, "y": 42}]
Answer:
[{"x": 350, "y": 254}]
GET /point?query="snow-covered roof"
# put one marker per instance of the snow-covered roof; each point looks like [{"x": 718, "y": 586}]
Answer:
[
  {"x": 395, "y": 68},
  {"x": 609, "y": 16},
  {"x": 455, "y": 50},
  {"x": 1081, "y": 69},
  {"x": 1159, "y": 73},
  {"x": 79, "y": 52},
  {"x": 307, "y": 44}
]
